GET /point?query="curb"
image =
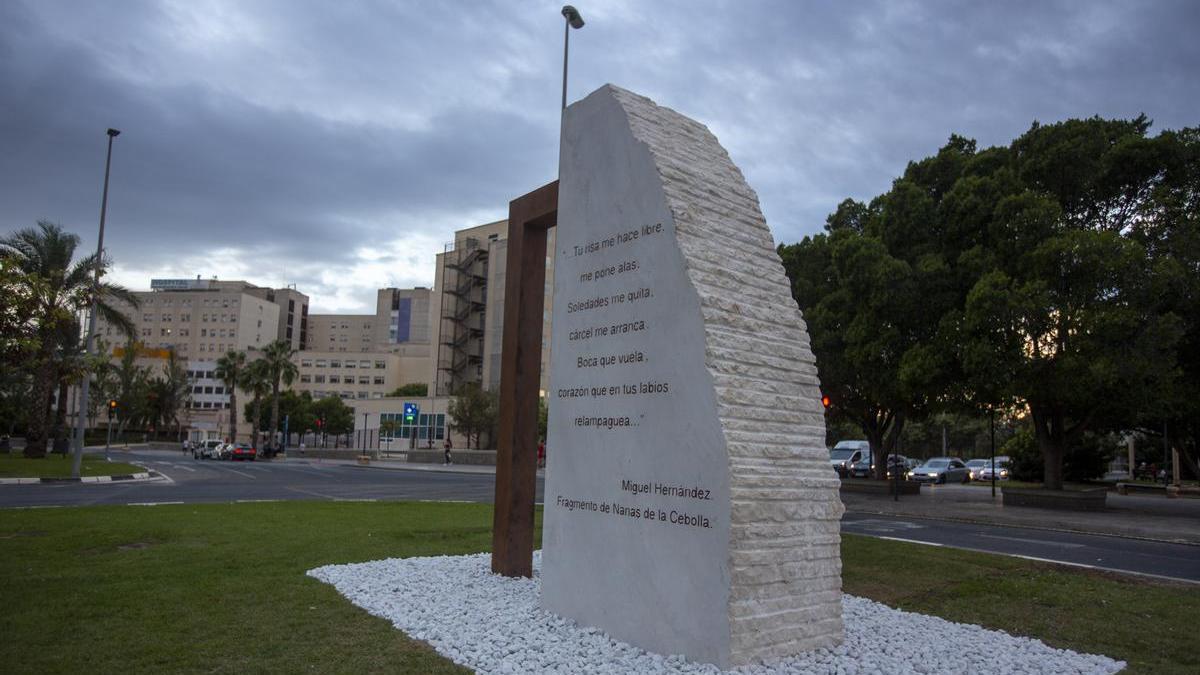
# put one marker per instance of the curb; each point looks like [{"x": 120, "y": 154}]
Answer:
[
  {"x": 139, "y": 477},
  {"x": 977, "y": 521}
]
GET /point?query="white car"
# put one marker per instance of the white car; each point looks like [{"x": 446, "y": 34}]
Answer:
[
  {"x": 1002, "y": 470},
  {"x": 975, "y": 466},
  {"x": 209, "y": 449}
]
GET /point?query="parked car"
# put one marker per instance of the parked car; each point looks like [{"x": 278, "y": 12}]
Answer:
[
  {"x": 1002, "y": 470},
  {"x": 207, "y": 449},
  {"x": 241, "y": 451},
  {"x": 864, "y": 468},
  {"x": 941, "y": 470},
  {"x": 846, "y": 453},
  {"x": 975, "y": 466}
]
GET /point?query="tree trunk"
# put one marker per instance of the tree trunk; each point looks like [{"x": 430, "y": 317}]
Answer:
[
  {"x": 257, "y": 421},
  {"x": 1048, "y": 426},
  {"x": 35, "y": 430},
  {"x": 233, "y": 414},
  {"x": 274, "y": 412}
]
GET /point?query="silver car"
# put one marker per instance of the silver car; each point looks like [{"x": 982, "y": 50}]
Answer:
[
  {"x": 941, "y": 470},
  {"x": 975, "y": 466}
]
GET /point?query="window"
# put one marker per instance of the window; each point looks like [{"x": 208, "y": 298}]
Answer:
[
  {"x": 166, "y": 317},
  {"x": 319, "y": 379},
  {"x": 336, "y": 379},
  {"x": 364, "y": 364},
  {"x": 147, "y": 317},
  {"x": 378, "y": 379},
  {"x": 305, "y": 379},
  {"x": 380, "y": 365},
  {"x": 183, "y": 332},
  {"x": 306, "y": 363},
  {"x": 362, "y": 394},
  {"x": 185, "y": 317},
  {"x": 351, "y": 364},
  {"x": 320, "y": 363},
  {"x": 364, "y": 379},
  {"x": 208, "y": 390},
  {"x": 335, "y": 363},
  {"x": 146, "y": 332}
]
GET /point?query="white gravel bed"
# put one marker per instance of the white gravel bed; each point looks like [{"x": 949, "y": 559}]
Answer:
[{"x": 493, "y": 624}]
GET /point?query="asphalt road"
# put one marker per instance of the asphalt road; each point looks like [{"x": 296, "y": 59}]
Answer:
[
  {"x": 201, "y": 481},
  {"x": 1174, "y": 561}
]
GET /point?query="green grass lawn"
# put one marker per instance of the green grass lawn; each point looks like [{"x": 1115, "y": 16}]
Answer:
[
  {"x": 220, "y": 588},
  {"x": 13, "y": 465}
]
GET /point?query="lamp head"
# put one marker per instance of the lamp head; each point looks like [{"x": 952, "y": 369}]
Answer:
[
  {"x": 572, "y": 16},
  {"x": 114, "y": 132}
]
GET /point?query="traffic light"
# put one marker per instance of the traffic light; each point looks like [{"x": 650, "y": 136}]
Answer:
[
  {"x": 112, "y": 406},
  {"x": 319, "y": 422},
  {"x": 825, "y": 402}
]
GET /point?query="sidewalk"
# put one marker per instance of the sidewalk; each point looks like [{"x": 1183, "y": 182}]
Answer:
[{"x": 1136, "y": 516}]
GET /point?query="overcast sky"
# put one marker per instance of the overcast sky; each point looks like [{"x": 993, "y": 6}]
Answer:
[{"x": 338, "y": 145}]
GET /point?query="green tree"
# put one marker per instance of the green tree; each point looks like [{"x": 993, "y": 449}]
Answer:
[
  {"x": 169, "y": 393},
  {"x": 229, "y": 372},
  {"x": 280, "y": 369},
  {"x": 473, "y": 411},
  {"x": 412, "y": 389},
  {"x": 338, "y": 417},
  {"x": 1066, "y": 316},
  {"x": 43, "y": 256},
  {"x": 875, "y": 290},
  {"x": 1170, "y": 231},
  {"x": 255, "y": 380},
  {"x": 131, "y": 387}
]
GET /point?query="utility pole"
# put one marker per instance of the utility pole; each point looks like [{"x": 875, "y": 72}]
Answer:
[{"x": 81, "y": 421}]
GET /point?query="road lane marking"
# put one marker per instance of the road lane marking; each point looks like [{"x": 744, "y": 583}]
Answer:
[
  {"x": 310, "y": 492},
  {"x": 186, "y": 468},
  {"x": 240, "y": 473},
  {"x": 340, "y": 499},
  {"x": 151, "y": 503},
  {"x": 1098, "y": 567},
  {"x": 909, "y": 541},
  {"x": 1060, "y": 544},
  {"x": 256, "y": 501}
]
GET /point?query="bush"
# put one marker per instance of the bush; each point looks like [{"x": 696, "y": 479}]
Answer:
[{"x": 1084, "y": 461}]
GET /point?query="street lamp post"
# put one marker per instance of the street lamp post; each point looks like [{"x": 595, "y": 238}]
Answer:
[
  {"x": 81, "y": 417},
  {"x": 366, "y": 438},
  {"x": 573, "y": 20}
]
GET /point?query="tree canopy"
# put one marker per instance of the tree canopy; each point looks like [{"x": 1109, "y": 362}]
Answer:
[{"x": 1054, "y": 278}]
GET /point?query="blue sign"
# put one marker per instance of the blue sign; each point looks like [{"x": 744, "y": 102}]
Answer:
[{"x": 410, "y": 413}]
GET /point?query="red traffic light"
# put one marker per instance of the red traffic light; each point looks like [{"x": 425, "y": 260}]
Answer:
[{"x": 825, "y": 401}]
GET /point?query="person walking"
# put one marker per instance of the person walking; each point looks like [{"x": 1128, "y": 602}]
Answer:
[
  {"x": 446, "y": 447},
  {"x": 541, "y": 459}
]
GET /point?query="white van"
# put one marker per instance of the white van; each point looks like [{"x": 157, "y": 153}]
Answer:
[{"x": 846, "y": 453}]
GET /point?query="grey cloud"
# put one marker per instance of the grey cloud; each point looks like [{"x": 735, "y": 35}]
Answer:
[{"x": 302, "y": 131}]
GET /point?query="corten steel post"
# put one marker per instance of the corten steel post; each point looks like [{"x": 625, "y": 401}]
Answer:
[
  {"x": 80, "y": 413},
  {"x": 529, "y": 218}
]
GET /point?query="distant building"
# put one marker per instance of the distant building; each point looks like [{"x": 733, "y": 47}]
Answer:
[
  {"x": 200, "y": 320},
  {"x": 468, "y": 309}
]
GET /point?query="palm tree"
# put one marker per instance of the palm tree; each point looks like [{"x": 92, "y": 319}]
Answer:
[
  {"x": 43, "y": 256},
  {"x": 255, "y": 379},
  {"x": 229, "y": 370},
  {"x": 278, "y": 357}
]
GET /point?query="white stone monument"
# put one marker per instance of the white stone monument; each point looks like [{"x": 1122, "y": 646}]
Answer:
[{"x": 690, "y": 507}]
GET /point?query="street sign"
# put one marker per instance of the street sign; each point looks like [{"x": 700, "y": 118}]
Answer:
[{"x": 411, "y": 410}]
